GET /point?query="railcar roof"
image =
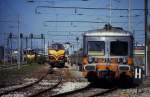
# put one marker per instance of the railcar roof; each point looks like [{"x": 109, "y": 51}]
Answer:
[{"x": 113, "y": 31}]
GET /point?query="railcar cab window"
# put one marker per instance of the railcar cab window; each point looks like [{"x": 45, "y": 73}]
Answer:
[
  {"x": 118, "y": 48},
  {"x": 96, "y": 48}
]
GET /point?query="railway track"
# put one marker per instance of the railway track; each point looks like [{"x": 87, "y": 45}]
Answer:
[
  {"x": 104, "y": 92},
  {"x": 71, "y": 92},
  {"x": 48, "y": 89},
  {"x": 22, "y": 86},
  {"x": 88, "y": 91},
  {"x": 34, "y": 89}
]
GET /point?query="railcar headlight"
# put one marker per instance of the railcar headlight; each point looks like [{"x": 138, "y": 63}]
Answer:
[
  {"x": 120, "y": 60},
  {"x": 124, "y": 60},
  {"x": 91, "y": 59}
]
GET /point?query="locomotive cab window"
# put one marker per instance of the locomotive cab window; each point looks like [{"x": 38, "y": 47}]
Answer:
[
  {"x": 57, "y": 47},
  {"x": 96, "y": 48},
  {"x": 31, "y": 52},
  {"x": 119, "y": 48}
]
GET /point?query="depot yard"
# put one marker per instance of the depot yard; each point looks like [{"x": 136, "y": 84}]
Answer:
[
  {"x": 16, "y": 76},
  {"x": 72, "y": 80}
]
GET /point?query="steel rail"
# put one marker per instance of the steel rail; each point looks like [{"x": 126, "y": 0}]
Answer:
[
  {"x": 72, "y": 92},
  {"x": 48, "y": 89},
  {"x": 23, "y": 87},
  {"x": 85, "y": 89},
  {"x": 104, "y": 92}
]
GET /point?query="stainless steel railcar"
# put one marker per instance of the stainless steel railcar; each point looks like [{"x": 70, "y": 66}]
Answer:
[{"x": 108, "y": 53}]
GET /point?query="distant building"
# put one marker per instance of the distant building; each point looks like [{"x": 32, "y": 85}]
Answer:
[{"x": 139, "y": 55}]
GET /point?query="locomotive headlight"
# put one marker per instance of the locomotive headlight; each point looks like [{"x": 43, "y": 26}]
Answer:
[
  {"x": 91, "y": 59},
  {"x": 51, "y": 57},
  {"x": 30, "y": 56},
  {"x": 61, "y": 57}
]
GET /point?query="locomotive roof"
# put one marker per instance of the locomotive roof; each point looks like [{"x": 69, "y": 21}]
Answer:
[
  {"x": 108, "y": 31},
  {"x": 56, "y": 43}
]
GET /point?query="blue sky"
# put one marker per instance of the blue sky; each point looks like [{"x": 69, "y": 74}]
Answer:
[{"x": 31, "y": 22}]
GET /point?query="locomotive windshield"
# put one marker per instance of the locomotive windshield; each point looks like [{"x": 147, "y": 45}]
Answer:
[
  {"x": 96, "y": 48},
  {"x": 57, "y": 46},
  {"x": 29, "y": 52},
  {"x": 119, "y": 48}
]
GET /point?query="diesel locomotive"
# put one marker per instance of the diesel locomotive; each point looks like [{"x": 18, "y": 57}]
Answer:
[
  {"x": 30, "y": 55},
  {"x": 56, "y": 55},
  {"x": 108, "y": 54}
]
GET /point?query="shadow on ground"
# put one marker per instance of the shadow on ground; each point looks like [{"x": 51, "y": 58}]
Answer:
[{"x": 107, "y": 84}]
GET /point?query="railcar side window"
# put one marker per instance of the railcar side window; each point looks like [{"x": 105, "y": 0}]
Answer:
[
  {"x": 119, "y": 48},
  {"x": 96, "y": 48}
]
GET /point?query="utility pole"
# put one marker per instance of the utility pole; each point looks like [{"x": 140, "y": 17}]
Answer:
[
  {"x": 44, "y": 46},
  {"x": 31, "y": 37},
  {"x": 19, "y": 42},
  {"x": 43, "y": 42},
  {"x": 21, "y": 47},
  {"x": 26, "y": 42},
  {"x": 77, "y": 53},
  {"x": 10, "y": 46},
  {"x": 147, "y": 67}
]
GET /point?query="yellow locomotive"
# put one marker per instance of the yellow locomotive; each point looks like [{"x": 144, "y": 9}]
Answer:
[
  {"x": 29, "y": 55},
  {"x": 56, "y": 55}
]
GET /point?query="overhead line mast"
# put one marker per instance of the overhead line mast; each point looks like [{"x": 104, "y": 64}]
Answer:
[
  {"x": 147, "y": 67},
  {"x": 19, "y": 49}
]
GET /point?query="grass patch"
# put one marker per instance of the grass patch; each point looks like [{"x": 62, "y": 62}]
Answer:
[
  {"x": 23, "y": 70},
  {"x": 11, "y": 76},
  {"x": 28, "y": 68}
]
